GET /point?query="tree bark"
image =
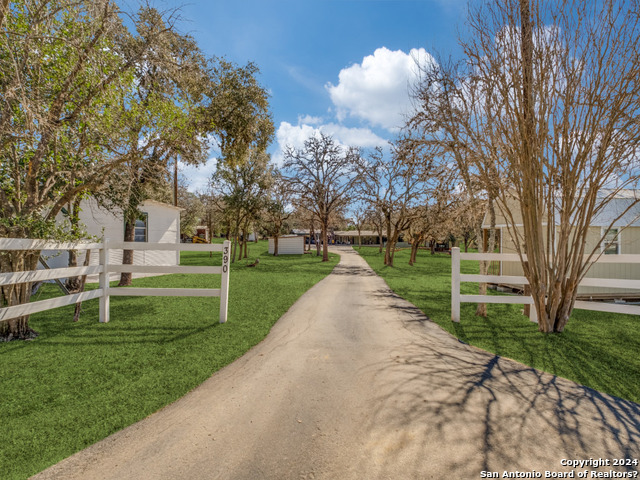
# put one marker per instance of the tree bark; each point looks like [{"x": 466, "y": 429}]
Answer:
[
  {"x": 83, "y": 281},
  {"x": 414, "y": 249},
  {"x": 10, "y": 295},
  {"x": 325, "y": 246},
  {"x": 127, "y": 255},
  {"x": 390, "y": 244},
  {"x": 73, "y": 283}
]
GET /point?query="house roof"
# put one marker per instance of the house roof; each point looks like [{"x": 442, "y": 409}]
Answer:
[
  {"x": 624, "y": 204},
  {"x": 618, "y": 207},
  {"x": 162, "y": 204},
  {"x": 354, "y": 233}
]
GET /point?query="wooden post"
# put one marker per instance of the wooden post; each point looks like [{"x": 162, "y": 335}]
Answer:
[
  {"x": 455, "y": 284},
  {"x": 104, "y": 282},
  {"x": 224, "y": 289}
]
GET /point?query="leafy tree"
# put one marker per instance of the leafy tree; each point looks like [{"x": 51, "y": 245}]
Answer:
[
  {"x": 66, "y": 67},
  {"x": 241, "y": 190},
  {"x": 238, "y": 110},
  {"x": 193, "y": 213},
  {"x": 163, "y": 120},
  {"x": 277, "y": 209}
]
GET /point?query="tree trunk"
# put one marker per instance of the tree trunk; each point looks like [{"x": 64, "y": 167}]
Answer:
[
  {"x": 73, "y": 283},
  {"x": 414, "y": 250},
  {"x": 83, "y": 281},
  {"x": 234, "y": 248},
  {"x": 10, "y": 295},
  {"x": 275, "y": 245},
  {"x": 387, "y": 252},
  {"x": 127, "y": 255},
  {"x": 245, "y": 240},
  {"x": 325, "y": 246}
]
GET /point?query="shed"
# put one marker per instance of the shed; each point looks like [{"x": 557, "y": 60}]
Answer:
[
  {"x": 622, "y": 238},
  {"x": 287, "y": 245},
  {"x": 159, "y": 223}
]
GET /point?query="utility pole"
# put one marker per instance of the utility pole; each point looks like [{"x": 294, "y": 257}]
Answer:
[{"x": 175, "y": 182}]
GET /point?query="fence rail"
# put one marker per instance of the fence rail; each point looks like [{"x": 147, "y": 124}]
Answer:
[
  {"x": 104, "y": 269},
  {"x": 457, "y": 278}
]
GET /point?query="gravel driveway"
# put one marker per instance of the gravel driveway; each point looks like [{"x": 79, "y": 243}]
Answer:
[{"x": 355, "y": 383}]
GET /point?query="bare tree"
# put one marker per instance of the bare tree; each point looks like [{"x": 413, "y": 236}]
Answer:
[
  {"x": 321, "y": 174},
  {"x": 396, "y": 186},
  {"x": 359, "y": 218},
  {"x": 447, "y": 102},
  {"x": 467, "y": 215},
  {"x": 559, "y": 114}
]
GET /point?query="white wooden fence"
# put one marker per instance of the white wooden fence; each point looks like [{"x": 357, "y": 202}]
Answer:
[
  {"x": 104, "y": 268},
  {"x": 457, "y": 278}
]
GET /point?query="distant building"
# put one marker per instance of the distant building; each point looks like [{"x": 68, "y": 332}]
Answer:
[{"x": 622, "y": 238}]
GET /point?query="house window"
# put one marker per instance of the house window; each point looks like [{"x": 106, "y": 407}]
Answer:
[
  {"x": 611, "y": 243},
  {"x": 141, "y": 228}
]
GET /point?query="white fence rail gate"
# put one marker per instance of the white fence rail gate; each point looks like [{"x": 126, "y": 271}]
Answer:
[
  {"x": 457, "y": 278},
  {"x": 104, "y": 269}
]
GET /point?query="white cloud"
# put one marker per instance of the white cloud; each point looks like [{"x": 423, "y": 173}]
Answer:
[
  {"x": 377, "y": 90},
  {"x": 198, "y": 176},
  {"x": 295, "y": 136},
  {"x": 309, "y": 120},
  {"x": 357, "y": 137}
]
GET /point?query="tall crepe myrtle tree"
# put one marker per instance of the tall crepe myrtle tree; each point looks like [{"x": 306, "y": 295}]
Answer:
[
  {"x": 559, "y": 117},
  {"x": 322, "y": 174}
]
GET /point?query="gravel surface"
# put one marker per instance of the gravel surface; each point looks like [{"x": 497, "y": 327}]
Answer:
[{"x": 355, "y": 383}]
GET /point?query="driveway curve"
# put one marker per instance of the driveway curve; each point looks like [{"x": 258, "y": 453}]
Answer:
[{"x": 353, "y": 382}]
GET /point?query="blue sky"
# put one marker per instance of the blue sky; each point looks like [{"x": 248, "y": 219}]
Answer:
[{"x": 343, "y": 66}]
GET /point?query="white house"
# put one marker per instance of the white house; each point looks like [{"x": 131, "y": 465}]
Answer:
[
  {"x": 623, "y": 237},
  {"x": 159, "y": 223}
]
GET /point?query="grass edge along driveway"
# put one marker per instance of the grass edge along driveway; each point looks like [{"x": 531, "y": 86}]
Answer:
[
  {"x": 597, "y": 349},
  {"x": 77, "y": 383}
]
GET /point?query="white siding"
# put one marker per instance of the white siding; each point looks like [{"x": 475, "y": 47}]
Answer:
[
  {"x": 163, "y": 227},
  {"x": 288, "y": 245}
]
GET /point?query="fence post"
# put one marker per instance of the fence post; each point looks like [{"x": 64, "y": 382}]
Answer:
[
  {"x": 104, "y": 282},
  {"x": 455, "y": 284},
  {"x": 224, "y": 289}
]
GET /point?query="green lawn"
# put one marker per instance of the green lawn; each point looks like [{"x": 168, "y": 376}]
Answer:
[
  {"x": 80, "y": 382},
  {"x": 599, "y": 350}
]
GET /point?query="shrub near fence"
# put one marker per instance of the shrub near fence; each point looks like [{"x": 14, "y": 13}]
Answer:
[
  {"x": 457, "y": 278},
  {"x": 104, "y": 269}
]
